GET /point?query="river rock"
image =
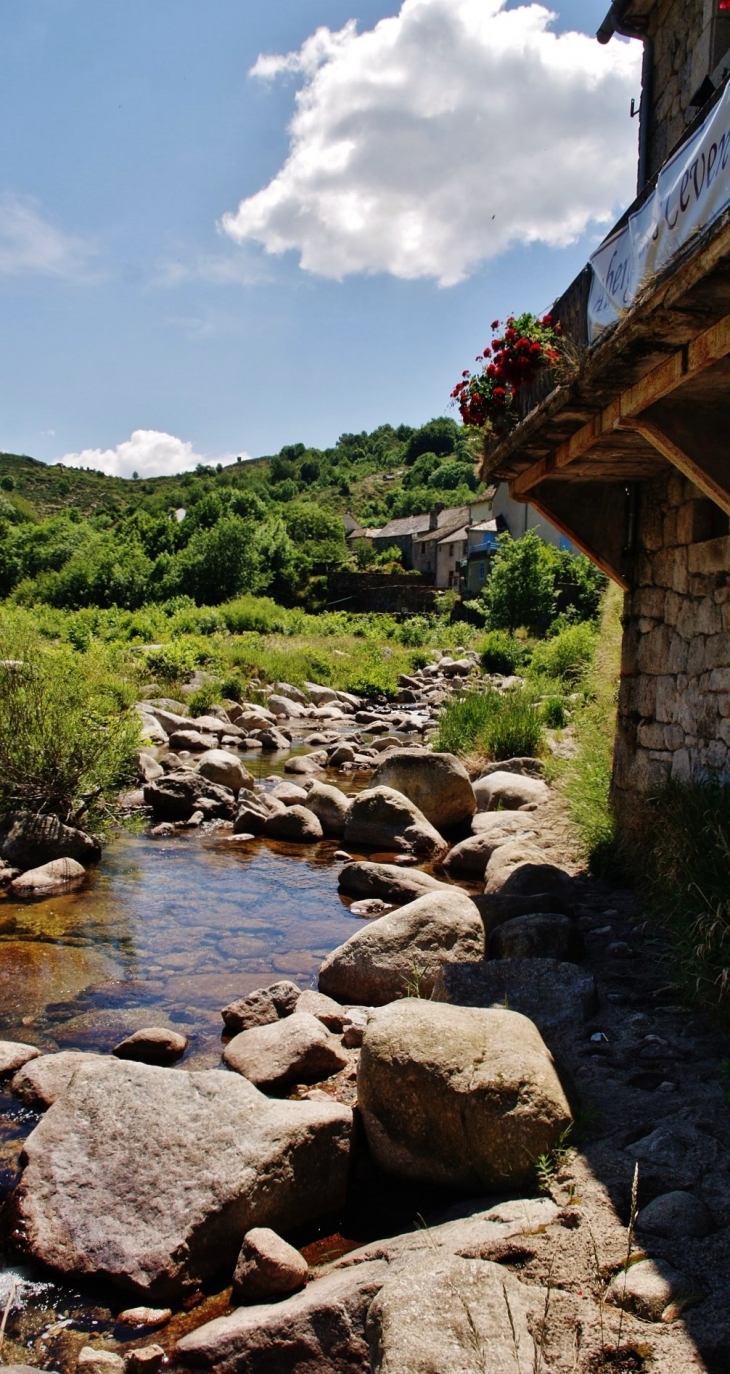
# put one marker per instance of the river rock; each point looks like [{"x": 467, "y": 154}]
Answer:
[
  {"x": 28, "y": 841},
  {"x": 147, "y": 767},
  {"x": 387, "y": 881},
  {"x": 522, "y": 870},
  {"x": 45, "y": 1078},
  {"x": 326, "y": 1010},
  {"x": 438, "y": 784},
  {"x": 152, "y": 1045},
  {"x": 448, "y": 1314},
  {"x": 458, "y": 1095},
  {"x": 676, "y": 1214},
  {"x": 529, "y": 767},
  {"x": 505, "y": 906},
  {"x": 150, "y": 729},
  {"x": 14, "y": 1054},
  {"x": 558, "y": 997},
  {"x": 377, "y": 963},
  {"x": 224, "y": 768},
  {"x": 262, "y": 1007},
  {"x": 93, "y": 1359},
  {"x": 330, "y": 806},
  {"x": 255, "y": 718},
  {"x": 354, "y": 1026},
  {"x": 254, "y": 809},
  {"x": 342, "y": 753},
  {"x": 294, "y": 823},
  {"x": 285, "y": 707},
  {"x": 504, "y": 825},
  {"x": 50, "y": 880},
  {"x": 288, "y": 793},
  {"x": 318, "y": 694},
  {"x": 648, "y": 1288},
  {"x": 508, "y": 791},
  {"x": 305, "y": 764},
  {"x": 267, "y": 1267},
  {"x": 291, "y": 1050},
  {"x": 321, "y": 1329},
  {"x": 145, "y": 1359},
  {"x": 177, "y": 795},
  {"x": 272, "y": 740},
  {"x": 382, "y": 818},
  {"x": 152, "y": 1317},
  {"x": 151, "y": 1177},
  {"x": 539, "y": 935},
  {"x": 473, "y": 854},
  {"x": 193, "y": 741}
]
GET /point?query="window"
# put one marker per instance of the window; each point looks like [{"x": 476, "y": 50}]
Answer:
[{"x": 481, "y": 571}]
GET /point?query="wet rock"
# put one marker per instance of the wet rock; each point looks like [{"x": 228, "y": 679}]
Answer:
[
  {"x": 379, "y": 963},
  {"x": 368, "y": 907},
  {"x": 152, "y": 1317},
  {"x": 151, "y": 1177},
  {"x": 521, "y": 869},
  {"x": 254, "y": 809},
  {"x": 289, "y": 794},
  {"x": 438, "y": 784},
  {"x": 295, "y": 1049},
  {"x": 508, "y": 791},
  {"x": 387, "y": 881},
  {"x": 28, "y": 841},
  {"x": 382, "y": 818},
  {"x": 294, "y": 823},
  {"x": 95, "y": 1360},
  {"x": 304, "y": 764},
  {"x": 147, "y": 1359},
  {"x": 539, "y": 935},
  {"x": 177, "y": 795},
  {"x": 648, "y": 1288},
  {"x": 261, "y": 1007},
  {"x": 343, "y": 753},
  {"x": 329, "y": 1012},
  {"x": 458, "y": 1095},
  {"x": 164, "y": 829},
  {"x": 224, "y": 768},
  {"x": 267, "y": 1267},
  {"x": 558, "y": 997},
  {"x": 448, "y": 1314},
  {"x": 321, "y": 1329},
  {"x": 152, "y": 1045},
  {"x": 330, "y": 806},
  {"x": 676, "y": 1214},
  {"x": 50, "y": 880},
  {"x": 14, "y": 1054},
  {"x": 42, "y": 1080}
]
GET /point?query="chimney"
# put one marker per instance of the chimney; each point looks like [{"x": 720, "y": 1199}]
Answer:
[{"x": 433, "y": 519}]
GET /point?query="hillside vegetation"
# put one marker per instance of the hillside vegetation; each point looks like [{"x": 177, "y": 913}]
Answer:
[{"x": 73, "y": 537}]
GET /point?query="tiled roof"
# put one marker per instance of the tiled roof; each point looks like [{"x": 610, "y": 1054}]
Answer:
[
  {"x": 406, "y": 524},
  {"x": 448, "y": 520},
  {"x": 456, "y": 535}
]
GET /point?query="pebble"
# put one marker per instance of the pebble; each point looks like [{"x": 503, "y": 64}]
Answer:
[
  {"x": 144, "y": 1316},
  {"x": 343, "y": 856},
  {"x": 147, "y": 1359}
]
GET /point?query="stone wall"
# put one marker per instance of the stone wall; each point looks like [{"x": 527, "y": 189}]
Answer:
[
  {"x": 688, "y": 36},
  {"x": 674, "y": 697}
]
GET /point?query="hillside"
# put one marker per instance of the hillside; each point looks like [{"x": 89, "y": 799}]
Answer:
[{"x": 271, "y": 525}]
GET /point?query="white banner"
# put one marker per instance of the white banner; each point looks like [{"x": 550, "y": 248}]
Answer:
[{"x": 692, "y": 189}]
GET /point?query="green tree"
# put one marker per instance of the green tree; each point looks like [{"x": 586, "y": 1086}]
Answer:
[{"x": 520, "y": 590}]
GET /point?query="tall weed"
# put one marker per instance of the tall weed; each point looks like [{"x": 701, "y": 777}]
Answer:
[{"x": 496, "y": 725}]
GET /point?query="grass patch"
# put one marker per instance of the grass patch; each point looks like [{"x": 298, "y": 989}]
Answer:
[
  {"x": 588, "y": 775},
  {"x": 490, "y": 724}
]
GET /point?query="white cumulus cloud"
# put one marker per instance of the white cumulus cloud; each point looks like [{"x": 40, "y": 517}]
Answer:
[
  {"x": 441, "y": 137},
  {"x": 32, "y": 245},
  {"x": 149, "y": 453}
]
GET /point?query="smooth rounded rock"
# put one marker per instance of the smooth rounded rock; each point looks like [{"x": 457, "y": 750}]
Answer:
[
  {"x": 44, "y": 1079},
  {"x": 297, "y": 1048},
  {"x": 14, "y": 1054},
  {"x": 152, "y": 1317},
  {"x": 152, "y": 1045},
  {"x": 649, "y": 1288},
  {"x": 289, "y": 794},
  {"x": 326, "y": 1010},
  {"x": 458, "y": 1095},
  {"x": 176, "y": 796},
  {"x": 295, "y": 823},
  {"x": 224, "y": 768},
  {"x": 381, "y": 818},
  {"x": 261, "y": 1007},
  {"x": 267, "y": 1267},
  {"x": 95, "y": 1360},
  {"x": 50, "y": 880},
  {"x": 502, "y": 826},
  {"x": 521, "y": 869},
  {"x": 390, "y": 882},
  {"x": 330, "y": 806},
  {"x": 676, "y": 1214},
  {"x": 30, "y": 841},
  {"x": 539, "y": 935},
  {"x": 508, "y": 791},
  {"x": 438, "y": 784},
  {"x": 404, "y": 949}
]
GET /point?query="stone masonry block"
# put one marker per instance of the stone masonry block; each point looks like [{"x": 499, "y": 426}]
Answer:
[
  {"x": 720, "y": 680},
  {"x": 696, "y": 656},
  {"x": 645, "y": 696},
  {"x": 666, "y": 697},
  {"x": 663, "y": 568},
  {"x": 670, "y": 529},
  {"x": 653, "y": 651},
  {"x": 711, "y": 556},
  {"x": 717, "y": 651},
  {"x": 650, "y": 735},
  {"x": 673, "y": 736},
  {"x": 676, "y": 659},
  {"x": 680, "y": 576}
]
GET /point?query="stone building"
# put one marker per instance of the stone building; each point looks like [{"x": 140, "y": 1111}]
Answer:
[{"x": 625, "y": 449}]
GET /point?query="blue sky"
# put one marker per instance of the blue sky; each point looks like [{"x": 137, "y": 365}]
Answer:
[{"x": 128, "y": 129}]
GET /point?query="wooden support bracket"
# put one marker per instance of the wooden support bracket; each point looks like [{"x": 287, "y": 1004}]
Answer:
[
  {"x": 708, "y": 462},
  {"x": 594, "y": 517}
]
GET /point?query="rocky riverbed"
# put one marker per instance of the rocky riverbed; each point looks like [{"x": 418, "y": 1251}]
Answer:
[{"x": 415, "y": 1145}]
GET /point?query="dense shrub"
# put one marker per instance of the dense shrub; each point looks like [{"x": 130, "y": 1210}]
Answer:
[
  {"x": 500, "y": 652},
  {"x": 567, "y": 655}
]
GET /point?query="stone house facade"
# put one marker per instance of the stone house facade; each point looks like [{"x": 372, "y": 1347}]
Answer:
[{"x": 628, "y": 453}]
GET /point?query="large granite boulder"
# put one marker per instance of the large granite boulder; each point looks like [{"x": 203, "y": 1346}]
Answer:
[
  {"x": 458, "y": 1096},
  {"x": 176, "y": 796},
  {"x": 296, "y": 1049},
  {"x": 509, "y": 791},
  {"x": 381, "y": 818},
  {"x": 523, "y": 870},
  {"x": 329, "y": 805},
  {"x": 404, "y": 949},
  {"x": 221, "y": 766},
  {"x": 50, "y": 880},
  {"x": 151, "y": 1177},
  {"x": 438, "y": 784},
  {"x": 472, "y": 855},
  {"x": 390, "y": 882},
  {"x": 559, "y": 997},
  {"x": 14, "y": 1054},
  {"x": 295, "y": 823},
  {"x": 44, "y": 1078},
  {"x": 537, "y": 935},
  {"x": 28, "y": 841}
]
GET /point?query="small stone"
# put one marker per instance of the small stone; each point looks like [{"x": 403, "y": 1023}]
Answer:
[
  {"x": 147, "y": 1359},
  {"x": 152, "y": 1045},
  {"x": 343, "y": 856},
  {"x": 261, "y": 1007},
  {"x": 676, "y": 1214},
  {"x": 14, "y": 1054},
  {"x": 267, "y": 1266},
  {"x": 93, "y": 1361},
  {"x": 369, "y": 907},
  {"x": 144, "y": 1316},
  {"x": 648, "y": 1288},
  {"x": 354, "y": 1026},
  {"x": 50, "y": 880},
  {"x": 292, "y": 1050}
]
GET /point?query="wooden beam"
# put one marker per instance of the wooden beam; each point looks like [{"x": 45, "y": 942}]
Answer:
[
  {"x": 708, "y": 468},
  {"x": 591, "y": 517},
  {"x": 688, "y": 362}
]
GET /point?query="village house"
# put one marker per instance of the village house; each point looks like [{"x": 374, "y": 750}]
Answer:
[{"x": 627, "y": 454}]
